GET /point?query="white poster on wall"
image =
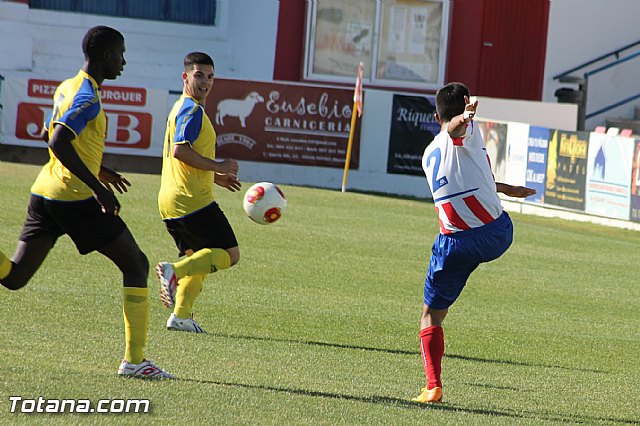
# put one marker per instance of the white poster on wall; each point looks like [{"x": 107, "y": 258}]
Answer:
[
  {"x": 396, "y": 38},
  {"x": 418, "y": 30},
  {"x": 517, "y": 147},
  {"x": 136, "y": 116}
]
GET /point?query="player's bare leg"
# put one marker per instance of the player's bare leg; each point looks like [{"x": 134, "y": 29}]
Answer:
[
  {"x": 134, "y": 265},
  {"x": 26, "y": 260},
  {"x": 127, "y": 256},
  {"x": 432, "y": 317}
]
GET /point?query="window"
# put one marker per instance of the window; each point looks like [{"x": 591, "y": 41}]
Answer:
[
  {"x": 401, "y": 43},
  {"x": 199, "y": 12}
]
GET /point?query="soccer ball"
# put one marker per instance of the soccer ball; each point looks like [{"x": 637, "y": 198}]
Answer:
[{"x": 264, "y": 203}]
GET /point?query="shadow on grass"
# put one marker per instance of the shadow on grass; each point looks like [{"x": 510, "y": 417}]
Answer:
[
  {"x": 386, "y": 400},
  {"x": 488, "y": 386},
  {"x": 405, "y": 403},
  {"x": 399, "y": 352}
]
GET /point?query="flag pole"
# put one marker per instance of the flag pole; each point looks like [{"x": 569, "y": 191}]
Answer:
[
  {"x": 349, "y": 145},
  {"x": 357, "y": 109}
]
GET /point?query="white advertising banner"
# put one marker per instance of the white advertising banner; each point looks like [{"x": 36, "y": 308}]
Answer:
[
  {"x": 517, "y": 147},
  {"x": 136, "y": 116},
  {"x": 609, "y": 175}
]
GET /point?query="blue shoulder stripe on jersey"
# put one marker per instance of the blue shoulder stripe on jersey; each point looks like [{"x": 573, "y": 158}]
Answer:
[
  {"x": 188, "y": 122},
  {"x": 84, "y": 108}
]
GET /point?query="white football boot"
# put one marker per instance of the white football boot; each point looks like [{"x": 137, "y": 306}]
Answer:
[
  {"x": 168, "y": 284},
  {"x": 145, "y": 370},
  {"x": 186, "y": 324}
]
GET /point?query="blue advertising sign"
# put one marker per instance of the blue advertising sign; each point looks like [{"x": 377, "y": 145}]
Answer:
[{"x": 538, "y": 144}]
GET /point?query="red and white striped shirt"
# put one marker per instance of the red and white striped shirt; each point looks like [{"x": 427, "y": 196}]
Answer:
[{"x": 461, "y": 182}]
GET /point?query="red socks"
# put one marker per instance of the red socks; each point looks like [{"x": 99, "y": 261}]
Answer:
[{"x": 432, "y": 348}]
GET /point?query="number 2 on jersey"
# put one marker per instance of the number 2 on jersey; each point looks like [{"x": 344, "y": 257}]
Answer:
[{"x": 436, "y": 183}]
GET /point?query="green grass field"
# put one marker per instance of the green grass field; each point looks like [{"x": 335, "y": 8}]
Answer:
[{"x": 318, "y": 323}]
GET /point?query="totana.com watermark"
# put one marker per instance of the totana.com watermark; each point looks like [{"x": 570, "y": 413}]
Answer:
[{"x": 42, "y": 405}]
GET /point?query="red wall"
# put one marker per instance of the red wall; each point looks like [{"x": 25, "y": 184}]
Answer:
[
  {"x": 289, "y": 58},
  {"x": 465, "y": 41}
]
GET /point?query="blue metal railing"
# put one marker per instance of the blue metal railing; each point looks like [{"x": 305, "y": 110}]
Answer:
[
  {"x": 565, "y": 78},
  {"x": 615, "y": 53},
  {"x": 611, "y": 65},
  {"x": 612, "y": 106}
]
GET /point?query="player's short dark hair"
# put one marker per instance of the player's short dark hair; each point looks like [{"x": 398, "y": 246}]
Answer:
[
  {"x": 450, "y": 101},
  {"x": 197, "y": 58},
  {"x": 98, "y": 39}
]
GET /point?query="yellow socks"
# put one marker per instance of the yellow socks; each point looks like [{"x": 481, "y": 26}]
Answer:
[
  {"x": 203, "y": 261},
  {"x": 191, "y": 272},
  {"x": 189, "y": 288},
  {"x": 136, "y": 322},
  {"x": 5, "y": 265}
]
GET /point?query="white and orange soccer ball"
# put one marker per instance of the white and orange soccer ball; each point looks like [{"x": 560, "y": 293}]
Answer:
[{"x": 264, "y": 203}]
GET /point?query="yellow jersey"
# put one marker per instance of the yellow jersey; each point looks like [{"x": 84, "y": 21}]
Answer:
[
  {"x": 78, "y": 107},
  {"x": 185, "y": 189}
]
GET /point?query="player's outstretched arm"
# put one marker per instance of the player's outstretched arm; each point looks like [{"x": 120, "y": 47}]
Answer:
[{"x": 514, "y": 191}]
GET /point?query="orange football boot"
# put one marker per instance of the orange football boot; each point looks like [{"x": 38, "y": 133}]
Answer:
[{"x": 429, "y": 396}]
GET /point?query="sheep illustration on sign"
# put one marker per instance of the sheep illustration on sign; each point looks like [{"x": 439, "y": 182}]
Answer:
[{"x": 240, "y": 108}]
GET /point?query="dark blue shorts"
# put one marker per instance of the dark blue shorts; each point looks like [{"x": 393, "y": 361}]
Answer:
[{"x": 455, "y": 256}]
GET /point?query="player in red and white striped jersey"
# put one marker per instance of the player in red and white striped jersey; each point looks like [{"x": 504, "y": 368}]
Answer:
[{"x": 473, "y": 226}]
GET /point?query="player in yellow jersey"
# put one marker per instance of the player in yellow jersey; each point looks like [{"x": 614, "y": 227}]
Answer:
[
  {"x": 72, "y": 195},
  {"x": 199, "y": 228}
]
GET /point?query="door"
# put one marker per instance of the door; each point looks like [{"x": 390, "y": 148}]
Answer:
[{"x": 513, "y": 49}]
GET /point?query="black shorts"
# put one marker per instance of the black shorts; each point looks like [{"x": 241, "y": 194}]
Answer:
[
  {"x": 205, "y": 228},
  {"x": 84, "y": 222}
]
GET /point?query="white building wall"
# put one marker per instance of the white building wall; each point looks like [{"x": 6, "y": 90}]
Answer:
[
  {"x": 582, "y": 30},
  {"x": 43, "y": 44},
  {"x": 47, "y": 44}
]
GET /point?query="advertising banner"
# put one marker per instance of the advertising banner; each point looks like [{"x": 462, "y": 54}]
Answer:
[
  {"x": 609, "y": 175},
  {"x": 538, "y": 143},
  {"x": 495, "y": 140},
  {"x": 517, "y": 141},
  {"x": 635, "y": 183},
  {"x": 283, "y": 123},
  {"x": 567, "y": 169},
  {"x": 136, "y": 116},
  {"x": 413, "y": 127}
]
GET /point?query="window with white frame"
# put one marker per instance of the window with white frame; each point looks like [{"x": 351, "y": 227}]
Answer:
[
  {"x": 199, "y": 12},
  {"x": 401, "y": 43}
]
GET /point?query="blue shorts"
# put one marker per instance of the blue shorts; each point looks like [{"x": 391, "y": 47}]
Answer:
[{"x": 455, "y": 256}]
